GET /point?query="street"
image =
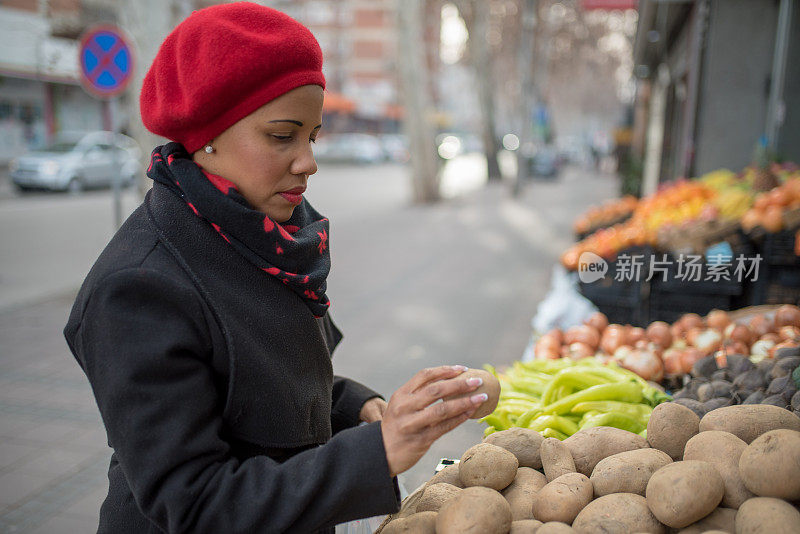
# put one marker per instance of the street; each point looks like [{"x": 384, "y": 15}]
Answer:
[{"x": 412, "y": 286}]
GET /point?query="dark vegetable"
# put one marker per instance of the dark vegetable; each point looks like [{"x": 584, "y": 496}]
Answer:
[
  {"x": 684, "y": 393},
  {"x": 775, "y": 400},
  {"x": 714, "y": 389},
  {"x": 785, "y": 366},
  {"x": 781, "y": 385},
  {"x": 722, "y": 374},
  {"x": 786, "y": 352},
  {"x": 705, "y": 367},
  {"x": 715, "y": 403},
  {"x": 796, "y": 377},
  {"x": 754, "y": 398},
  {"x": 750, "y": 380},
  {"x": 694, "y": 405},
  {"x": 765, "y": 366},
  {"x": 738, "y": 364},
  {"x": 796, "y": 401}
]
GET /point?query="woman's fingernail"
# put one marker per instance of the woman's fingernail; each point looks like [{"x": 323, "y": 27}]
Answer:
[
  {"x": 474, "y": 381},
  {"x": 459, "y": 368},
  {"x": 479, "y": 398}
]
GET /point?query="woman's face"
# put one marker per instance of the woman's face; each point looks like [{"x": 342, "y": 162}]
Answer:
[{"x": 268, "y": 153}]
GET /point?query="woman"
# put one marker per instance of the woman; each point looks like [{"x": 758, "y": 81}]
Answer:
[{"x": 203, "y": 327}]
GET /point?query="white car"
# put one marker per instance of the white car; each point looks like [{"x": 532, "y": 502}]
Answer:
[{"x": 77, "y": 161}]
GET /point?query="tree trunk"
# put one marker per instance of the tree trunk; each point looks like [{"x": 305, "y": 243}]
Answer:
[
  {"x": 414, "y": 83},
  {"x": 527, "y": 96}
]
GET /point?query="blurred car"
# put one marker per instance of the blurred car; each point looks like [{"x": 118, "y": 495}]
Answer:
[
  {"x": 349, "y": 148},
  {"x": 545, "y": 163},
  {"x": 78, "y": 161},
  {"x": 395, "y": 147}
]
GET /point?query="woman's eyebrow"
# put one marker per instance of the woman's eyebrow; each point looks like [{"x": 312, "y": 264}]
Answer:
[{"x": 295, "y": 122}]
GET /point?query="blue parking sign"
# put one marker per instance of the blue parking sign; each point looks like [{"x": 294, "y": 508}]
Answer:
[{"x": 106, "y": 61}]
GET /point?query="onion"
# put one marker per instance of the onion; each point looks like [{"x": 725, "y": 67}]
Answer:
[
  {"x": 578, "y": 351},
  {"x": 691, "y": 336},
  {"x": 707, "y": 341},
  {"x": 612, "y": 339},
  {"x": 762, "y": 348},
  {"x": 688, "y": 358},
  {"x": 659, "y": 333},
  {"x": 718, "y": 320},
  {"x": 787, "y": 315},
  {"x": 645, "y": 364},
  {"x": 678, "y": 331},
  {"x": 736, "y": 347},
  {"x": 582, "y": 334},
  {"x": 739, "y": 332},
  {"x": 692, "y": 320},
  {"x": 547, "y": 348},
  {"x": 635, "y": 334},
  {"x": 772, "y": 336},
  {"x": 722, "y": 358},
  {"x": 761, "y": 325},
  {"x": 556, "y": 334},
  {"x": 597, "y": 320},
  {"x": 789, "y": 333},
  {"x": 672, "y": 362}
]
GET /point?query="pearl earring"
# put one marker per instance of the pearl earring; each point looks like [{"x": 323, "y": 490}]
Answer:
[{"x": 209, "y": 149}]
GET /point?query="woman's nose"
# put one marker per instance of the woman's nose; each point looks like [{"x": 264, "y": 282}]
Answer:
[{"x": 305, "y": 162}]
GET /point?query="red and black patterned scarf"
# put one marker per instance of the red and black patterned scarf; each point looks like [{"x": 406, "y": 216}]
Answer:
[{"x": 295, "y": 252}]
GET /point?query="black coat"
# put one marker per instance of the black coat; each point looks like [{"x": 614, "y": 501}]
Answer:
[{"x": 215, "y": 385}]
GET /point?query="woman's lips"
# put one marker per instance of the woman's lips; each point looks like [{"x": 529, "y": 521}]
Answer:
[{"x": 294, "y": 196}]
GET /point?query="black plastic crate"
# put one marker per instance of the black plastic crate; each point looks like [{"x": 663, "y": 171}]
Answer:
[
  {"x": 779, "y": 248},
  {"x": 669, "y": 307},
  {"x": 705, "y": 285},
  {"x": 623, "y": 311},
  {"x": 776, "y": 284}
]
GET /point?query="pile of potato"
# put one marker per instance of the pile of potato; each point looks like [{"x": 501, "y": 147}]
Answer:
[{"x": 736, "y": 470}]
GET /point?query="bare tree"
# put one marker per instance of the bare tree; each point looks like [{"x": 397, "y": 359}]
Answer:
[
  {"x": 476, "y": 17},
  {"x": 414, "y": 84}
]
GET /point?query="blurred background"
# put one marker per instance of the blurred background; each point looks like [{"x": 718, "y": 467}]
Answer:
[{"x": 466, "y": 145}]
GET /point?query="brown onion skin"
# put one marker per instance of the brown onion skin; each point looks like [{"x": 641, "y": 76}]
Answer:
[
  {"x": 597, "y": 320},
  {"x": 740, "y": 333},
  {"x": 645, "y": 364},
  {"x": 761, "y": 325},
  {"x": 789, "y": 333},
  {"x": 692, "y": 320},
  {"x": 557, "y": 334},
  {"x": 688, "y": 358},
  {"x": 547, "y": 348},
  {"x": 782, "y": 345},
  {"x": 659, "y": 333},
  {"x": 691, "y": 335},
  {"x": 771, "y": 336},
  {"x": 578, "y": 351},
  {"x": 582, "y": 334},
  {"x": 635, "y": 334},
  {"x": 787, "y": 315},
  {"x": 718, "y": 320},
  {"x": 672, "y": 362},
  {"x": 613, "y": 338}
]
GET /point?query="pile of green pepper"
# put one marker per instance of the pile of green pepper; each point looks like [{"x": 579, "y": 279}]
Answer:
[{"x": 560, "y": 397}]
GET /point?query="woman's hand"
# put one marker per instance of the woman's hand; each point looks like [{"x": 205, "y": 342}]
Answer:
[
  {"x": 412, "y": 422},
  {"x": 372, "y": 410}
]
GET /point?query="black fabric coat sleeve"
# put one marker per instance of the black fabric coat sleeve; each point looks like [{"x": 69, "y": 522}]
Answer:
[
  {"x": 349, "y": 397},
  {"x": 144, "y": 346}
]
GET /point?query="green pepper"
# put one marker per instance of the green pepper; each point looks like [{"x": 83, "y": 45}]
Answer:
[
  {"x": 562, "y": 424},
  {"x": 499, "y": 421},
  {"x": 528, "y": 416},
  {"x": 553, "y": 433},
  {"x": 622, "y": 391},
  {"x": 643, "y": 433},
  {"x": 489, "y": 430},
  {"x": 613, "y": 419},
  {"x": 636, "y": 411},
  {"x": 573, "y": 378}
]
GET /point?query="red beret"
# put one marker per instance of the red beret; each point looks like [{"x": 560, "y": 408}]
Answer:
[{"x": 221, "y": 64}]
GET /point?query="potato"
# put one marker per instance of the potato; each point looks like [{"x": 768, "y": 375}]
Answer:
[
  {"x": 748, "y": 421},
  {"x": 449, "y": 475},
  {"x": 563, "y": 498},
  {"x": 420, "y": 523},
  {"x": 722, "y": 450},
  {"x": 556, "y": 459},
  {"x": 591, "y": 445},
  {"x": 770, "y": 465},
  {"x": 618, "y": 513},
  {"x": 524, "y": 443},
  {"x": 487, "y": 465},
  {"x": 555, "y": 527},
  {"x": 475, "y": 510},
  {"x": 520, "y": 492},
  {"x": 435, "y": 495},
  {"x": 767, "y": 515},
  {"x": 721, "y": 519},
  {"x": 490, "y": 386},
  {"x": 525, "y": 526},
  {"x": 670, "y": 427},
  {"x": 681, "y": 493},
  {"x": 627, "y": 472}
]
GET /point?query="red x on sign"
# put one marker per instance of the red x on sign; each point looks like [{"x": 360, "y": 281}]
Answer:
[{"x": 106, "y": 61}]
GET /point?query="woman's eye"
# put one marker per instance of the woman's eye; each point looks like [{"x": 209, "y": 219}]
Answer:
[
  {"x": 312, "y": 139},
  {"x": 282, "y": 137}
]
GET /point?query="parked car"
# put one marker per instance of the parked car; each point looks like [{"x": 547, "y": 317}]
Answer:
[
  {"x": 77, "y": 161},
  {"x": 545, "y": 163},
  {"x": 395, "y": 147},
  {"x": 349, "y": 148}
]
